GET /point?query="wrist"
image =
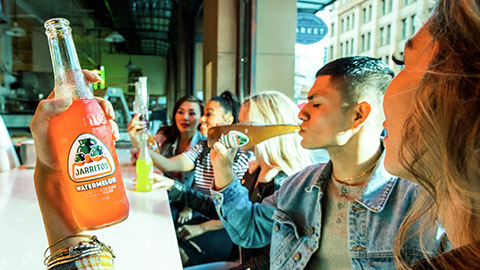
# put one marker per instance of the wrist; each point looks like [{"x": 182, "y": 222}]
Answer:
[
  {"x": 204, "y": 226},
  {"x": 224, "y": 180}
]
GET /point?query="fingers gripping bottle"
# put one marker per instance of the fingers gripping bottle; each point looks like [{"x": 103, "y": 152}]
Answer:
[
  {"x": 83, "y": 140},
  {"x": 144, "y": 162}
]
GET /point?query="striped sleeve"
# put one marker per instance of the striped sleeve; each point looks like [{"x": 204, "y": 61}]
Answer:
[
  {"x": 194, "y": 152},
  {"x": 240, "y": 165}
]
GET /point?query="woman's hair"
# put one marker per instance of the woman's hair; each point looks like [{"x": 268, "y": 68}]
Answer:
[
  {"x": 283, "y": 152},
  {"x": 441, "y": 139},
  {"x": 171, "y": 132},
  {"x": 229, "y": 103}
]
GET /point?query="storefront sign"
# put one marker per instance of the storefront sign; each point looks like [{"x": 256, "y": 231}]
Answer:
[{"x": 310, "y": 28}]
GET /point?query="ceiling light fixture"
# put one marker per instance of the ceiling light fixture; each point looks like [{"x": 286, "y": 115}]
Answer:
[
  {"x": 15, "y": 30},
  {"x": 130, "y": 66},
  {"x": 114, "y": 37}
]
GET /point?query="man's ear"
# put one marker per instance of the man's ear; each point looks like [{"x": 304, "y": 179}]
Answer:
[{"x": 361, "y": 113}]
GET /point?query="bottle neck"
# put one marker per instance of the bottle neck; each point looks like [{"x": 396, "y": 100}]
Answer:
[
  {"x": 69, "y": 79},
  {"x": 143, "y": 146},
  {"x": 141, "y": 98}
]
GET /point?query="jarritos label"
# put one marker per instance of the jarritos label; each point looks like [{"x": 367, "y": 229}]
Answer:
[
  {"x": 234, "y": 138},
  {"x": 89, "y": 159}
]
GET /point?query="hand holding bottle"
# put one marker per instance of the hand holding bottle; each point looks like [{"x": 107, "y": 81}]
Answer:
[
  {"x": 135, "y": 127},
  {"x": 82, "y": 139},
  {"x": 49, "y": 183},
  {"x": 222, "y": 162}
]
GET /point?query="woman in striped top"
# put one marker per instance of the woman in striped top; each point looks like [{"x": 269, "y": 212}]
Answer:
[{"x": 205, "y": 234}]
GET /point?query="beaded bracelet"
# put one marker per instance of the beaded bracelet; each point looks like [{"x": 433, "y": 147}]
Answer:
[{"x": 70, "y": 254}]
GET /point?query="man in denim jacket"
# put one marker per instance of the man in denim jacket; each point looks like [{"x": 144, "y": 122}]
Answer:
[{"x": 341, "y": 215}]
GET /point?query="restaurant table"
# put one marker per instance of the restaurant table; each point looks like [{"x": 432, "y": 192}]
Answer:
[{"x": 146, "y": 240}]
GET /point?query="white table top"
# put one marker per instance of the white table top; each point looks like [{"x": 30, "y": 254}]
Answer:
[{"x": 146, "y": 240}]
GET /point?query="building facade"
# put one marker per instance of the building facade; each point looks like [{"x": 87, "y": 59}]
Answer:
[{"x": 375, "y": 28}]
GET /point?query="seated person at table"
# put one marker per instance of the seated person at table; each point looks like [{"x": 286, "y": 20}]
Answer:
[
  {"x": 177, "y": 138},
  {"x": 432, "y": 110},
  {"x": 340, "y": 215},
  {"x": 182, "y": 135},
  {"x": 276, "y": 159},
  {"x": 223, "y": 108}
]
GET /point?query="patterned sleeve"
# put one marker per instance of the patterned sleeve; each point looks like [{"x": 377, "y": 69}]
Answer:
[
  {"x": 99, "y": 261},
  {"x": 194, "y": 152},
  {"x": 240, "y": 165}
]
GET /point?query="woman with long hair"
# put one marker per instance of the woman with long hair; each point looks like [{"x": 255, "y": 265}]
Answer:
[
  {"x": 208, "y": 232},
  {"x": 182, "y": 134},
  {"x": 432, "y": 110}
]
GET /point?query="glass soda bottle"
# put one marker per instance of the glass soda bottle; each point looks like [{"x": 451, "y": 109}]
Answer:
[
  {"x": 141, "y": 99},
  {"x": 246, "y": 134},
  {"x": 144, "y": 163},
  {"x": 83, "y": 140},
  {"x": 141, "y": 107}
]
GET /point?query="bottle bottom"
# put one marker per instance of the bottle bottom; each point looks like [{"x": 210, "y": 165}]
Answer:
[{"x": 104, "y": 225}]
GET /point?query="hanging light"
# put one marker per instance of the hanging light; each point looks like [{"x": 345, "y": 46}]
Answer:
[
  {"x": 15, "y": 30},
  {"x": 130, "y": 66},
  {"x": 114, "y": 37}
]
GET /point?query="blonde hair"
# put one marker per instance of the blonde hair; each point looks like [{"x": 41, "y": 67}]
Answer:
[
  {"x": 441, "y": 140},
  {"x": 283, "y": 152}
]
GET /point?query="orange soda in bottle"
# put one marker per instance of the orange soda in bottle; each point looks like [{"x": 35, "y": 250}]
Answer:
[{"x": 83, "y": 140}]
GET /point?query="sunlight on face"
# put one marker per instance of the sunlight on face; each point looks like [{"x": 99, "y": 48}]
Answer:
[
  {"x": 419, "y": 51},
  {"x": 324, "y": 120}
]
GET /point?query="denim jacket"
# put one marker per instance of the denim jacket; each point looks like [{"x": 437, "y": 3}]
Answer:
[{"x": 290, "y": 220}]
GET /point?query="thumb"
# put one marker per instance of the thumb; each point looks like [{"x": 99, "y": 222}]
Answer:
[{"x": 49, "y": 108}]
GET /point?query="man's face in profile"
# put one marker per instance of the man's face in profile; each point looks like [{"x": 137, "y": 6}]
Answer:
[{"x": 324, "y": 117}]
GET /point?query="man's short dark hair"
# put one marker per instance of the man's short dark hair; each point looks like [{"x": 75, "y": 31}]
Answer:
[{"x": 359, "y": 77}]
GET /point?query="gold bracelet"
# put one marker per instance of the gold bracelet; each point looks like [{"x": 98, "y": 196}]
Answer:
[
  {"x": 72, "y": 253},
  {"x": 65, "y": 238}
]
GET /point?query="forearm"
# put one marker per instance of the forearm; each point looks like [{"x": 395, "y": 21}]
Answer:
[
  {"x": 222, "y": 161},
  {"x": 58, "y": 221},
  {"x": 178, "y": 163},
  {"x": 248, "y": 225},
  {"x": 134, "y": 141},
  {"x": 193, "y": 199},
  {"x": 224, "y": 175},
  {"x": 212, "y": 225}
]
